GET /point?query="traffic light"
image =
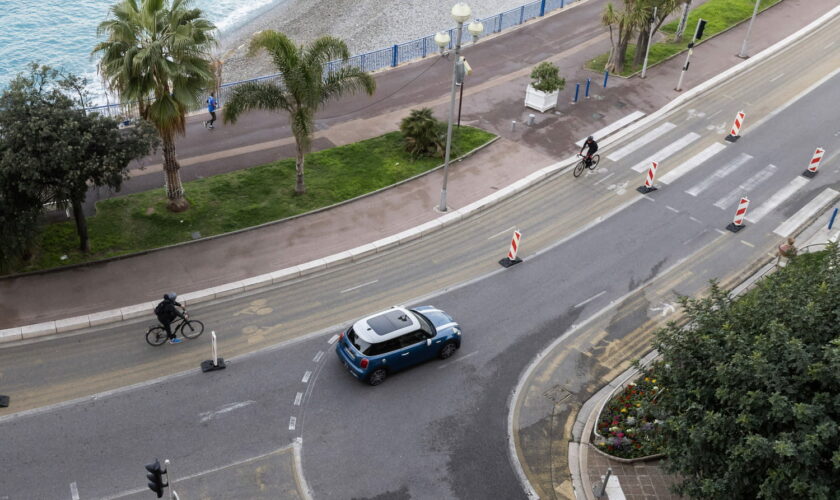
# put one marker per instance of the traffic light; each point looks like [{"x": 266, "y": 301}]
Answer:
[
  {"x": 155, "y": 478},
  {"x": 701, "y": 25}
]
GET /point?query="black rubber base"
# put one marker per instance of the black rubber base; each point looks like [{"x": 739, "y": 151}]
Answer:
[
  {"x": 645, "y": 189},
  {"x": 208, "y": 366},
  {"x": 732, "y": 138},
  {"x": 507, "y": 262},
  {"x": 4, "y": 401},
  {"x": 809, "y": 174},
  {"x": 732, "y": 227}
]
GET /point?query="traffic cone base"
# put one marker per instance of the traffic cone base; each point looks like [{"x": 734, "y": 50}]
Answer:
[
  {"x": 732, "y": 227},
  {"x": 645, "y": 189},
  {"x": 809, "y": 174},
  {"x": 506, "y": 262},
  {"x": 732, "y": 138}
]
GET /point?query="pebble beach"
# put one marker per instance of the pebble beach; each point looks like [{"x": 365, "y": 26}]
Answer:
[{"x": 365, "y": 25}]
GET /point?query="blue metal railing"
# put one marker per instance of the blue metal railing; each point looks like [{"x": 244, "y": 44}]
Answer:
[{"x": 391, "y": 56}]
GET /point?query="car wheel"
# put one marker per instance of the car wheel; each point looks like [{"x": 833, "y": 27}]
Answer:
[
  {"x": 448, "y": 350},
  {"x": 377, "y": 377}
]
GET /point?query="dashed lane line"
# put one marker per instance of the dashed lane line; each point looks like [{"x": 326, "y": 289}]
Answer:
[
  {"x": 590, "y": 299},
  {"x": 306, "y": 376}
]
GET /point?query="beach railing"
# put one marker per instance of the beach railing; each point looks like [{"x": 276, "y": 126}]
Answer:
[{"x": 391, "y": 56}]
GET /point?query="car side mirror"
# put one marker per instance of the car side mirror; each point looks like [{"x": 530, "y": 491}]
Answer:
[{"x": 428, "y": 341}]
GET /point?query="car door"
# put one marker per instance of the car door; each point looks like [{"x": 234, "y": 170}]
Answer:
[{"x": 414, "y": 348}]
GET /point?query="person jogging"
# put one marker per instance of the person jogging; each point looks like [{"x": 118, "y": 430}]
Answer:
[{"x": 211, "y": 108}]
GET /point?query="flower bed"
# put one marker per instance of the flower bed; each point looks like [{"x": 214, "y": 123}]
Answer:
[{"x": 629, "y": 425}]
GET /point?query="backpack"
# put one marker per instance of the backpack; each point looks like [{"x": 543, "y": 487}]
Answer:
[{"x": 160, "y": 308}]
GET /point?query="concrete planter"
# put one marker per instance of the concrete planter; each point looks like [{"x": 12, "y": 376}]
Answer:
[{"x": 541, "y": 101}]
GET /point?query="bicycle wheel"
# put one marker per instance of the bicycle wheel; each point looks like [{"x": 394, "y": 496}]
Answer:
[
  {"x": 595, "y": 160},
  {"x": 192, "y": 328},
  {"x": 579, "y": 168},
  {"x": 156, "y": 335}
]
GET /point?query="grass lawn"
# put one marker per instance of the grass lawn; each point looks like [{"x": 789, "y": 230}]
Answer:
[
  {"x": 719, "y": 15},
  {"x": 240, "y": 199}
]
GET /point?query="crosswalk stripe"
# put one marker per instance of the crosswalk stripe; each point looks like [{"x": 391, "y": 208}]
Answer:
[
  {"x": 777, "y": 199},
  {"x": 609, "y": 129},
  {"x": 641, "y": 141},
  {"x": 787, "y": 227},
  {"x": 667, "y": 151},
  {"x": 692, "y": 162},
  {"x": 719, "y": 174},
  {"x": 746, "y": 187}
]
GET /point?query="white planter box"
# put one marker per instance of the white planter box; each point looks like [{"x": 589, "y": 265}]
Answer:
[{"x": 541, "y": 101}]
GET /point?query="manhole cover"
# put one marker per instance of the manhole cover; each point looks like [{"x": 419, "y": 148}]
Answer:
[
  {"x": 597, "y": 116},
  {"x": 557, "y": 394}
]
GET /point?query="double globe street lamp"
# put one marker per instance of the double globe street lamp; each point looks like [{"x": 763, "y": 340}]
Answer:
[{"x": 460, "y": 13}]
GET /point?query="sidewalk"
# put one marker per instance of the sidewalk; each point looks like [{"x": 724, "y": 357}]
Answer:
[{"x": 493, "y": 98}]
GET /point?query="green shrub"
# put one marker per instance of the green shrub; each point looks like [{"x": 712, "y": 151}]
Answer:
[{"x": 545, "y": 77}]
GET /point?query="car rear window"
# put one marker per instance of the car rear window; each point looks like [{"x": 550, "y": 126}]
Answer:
[{"x": 360, "y": 345}]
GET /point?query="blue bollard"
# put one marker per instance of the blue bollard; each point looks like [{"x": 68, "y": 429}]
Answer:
[
  {"x": 542, "y": 8},
  {"x": 395, "y": 56},
  {"x": 606, "y": 75},
  {"x": 833, "y": 216},
  {"x": 586, "y": 92},
  {"x": 562, "y": 3},
  {"x": 577, "y": 91}
]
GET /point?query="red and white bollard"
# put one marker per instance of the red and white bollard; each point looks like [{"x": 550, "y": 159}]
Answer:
[
  {"x": 651, "y": 175},
  {"x": 811, "y": 171},
  {"x": 736, "y": 127},
  {"x": 738, "y": 222},
  {"x": 511, "y": 258}
]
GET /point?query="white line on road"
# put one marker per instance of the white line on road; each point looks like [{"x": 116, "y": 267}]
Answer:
[
  {"x": 669, "y": 207},
  {"x": 774, "y": 201},
  {"x": 609, "y": 129},
  {"x": 776, "y": 77},
  {"x": 306, "y": 376},
  {"x": 719, "y": 174},
  {"x": 721, "y": 231},
  {"x": 789, "y": 226},
  {"x": 292, "y": 423},
  {"x": 641, "y": 141},
  {"x": 332, "y": 339},
  {"x": 318, "y": 357},
  {"x": 605, "y": 178},
  {"x": 506, "y": 231},
  {"x": 359, "y": 286},
  {"x": 667, "y": 151},
  {"x": 74, "y": 491},
  {"x": 795, "y": 98},
  {"x": 298, "y": 398},
  {"x": 748, "y": 244},
  {"x": 695, "y": 219},
  {"x": 692, "y": 162},
  {"x": 459, "y": 358},
  {"x": 590, "y": 299},
  {"x": 714, "y": 114},
  {"x": 748, "y": 185},
  {"x": 209, "y": 415}
]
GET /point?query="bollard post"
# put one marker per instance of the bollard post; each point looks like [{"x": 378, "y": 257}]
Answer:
[
  {"x": 169, "y": 481},
  {"x": 531, "y": 118},
  {"x": 542, "y": 8},
  {"x": 577, "y": 91},
  {"x": 740, "y": 214},
  {"x": 600, "y": 492},
  {"x": 217, "y": 363},
  {"x": 511, "y": 257},
  {"x": 736, "y": 127},
  {"x": 395, "y": 55},
  {"x": 513, "y": 126},
  {"x": 811, "y": 171},
  {"x": 4, "y": 400},
  {"x": 586, "y": 92},
  {"x": 651, "y": 175},
  {"x": 606, "y": 75},
  {"x": 831, "y": 221}
]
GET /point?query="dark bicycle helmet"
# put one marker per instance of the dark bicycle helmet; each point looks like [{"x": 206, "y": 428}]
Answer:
[
  {"x": 590, "y": 139},
  {"x": 170, "y": 296}
]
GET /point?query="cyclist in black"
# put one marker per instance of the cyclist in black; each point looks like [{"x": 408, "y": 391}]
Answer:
[
  {"x": 593, "y": 147},
  {"x": 166, "y": 312}
]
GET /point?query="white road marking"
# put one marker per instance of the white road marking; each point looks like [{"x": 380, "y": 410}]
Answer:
[
  {"x": 641, "y": 141},
  {"x": 318, "y": 356},
  {"x": 74, "y": 491},
  {"x": 292, "y": 423},
  {"x": 306, "y": 376},
  {"x": 692, "y": 162},
  {"x": 609, "y": 129},
  {"x": 746, "y": 187},
  {"x": 789, "y": 226},
  {"x": 777, "y": 199},
  {"x": 793, "y": 100},
  {"x": 714, "y": 114},
  {"x": 701, "y": 233},
  {"x": 666, "y": 308},
  {"x": 667, "y": 151},
  {"x": 210, "y": 415},
  {"x": 298, "y": 398},
  {"x": 669, "y": 207},
  {"x": 719, "y": 174},
  {"x": 613, "y": 490},
  {"x": 332, "y": 339},
  {"x": 459, "y": 358},
  {"x": 359, "y": 286},
  {"x": 509, "y": 230},
  {"x": 605, "y": 178},
  {"x": 776, "y": 77},
  {"x": 648, "y": 198},
  {"x": 590, "y": 299},
  {"x": 748, "y": 244},
  {"x": 695, "y": 219},
  {"x": 721, "y": 231}
]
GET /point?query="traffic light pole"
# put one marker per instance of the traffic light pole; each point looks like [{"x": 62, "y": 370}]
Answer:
[{"x": 698, "y": 32}]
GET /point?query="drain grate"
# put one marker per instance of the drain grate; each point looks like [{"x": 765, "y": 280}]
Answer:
[{"x": 558, "y": 394}]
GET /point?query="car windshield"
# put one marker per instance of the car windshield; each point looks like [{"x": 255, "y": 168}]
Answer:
[
  {"x": 362, "y": 346},
  {"x": 425, "y": 324}
]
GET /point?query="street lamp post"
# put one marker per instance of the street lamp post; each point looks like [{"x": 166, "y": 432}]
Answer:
[
  {"x": 460, "y": 13},
  {"x": 743, "y": 53}
]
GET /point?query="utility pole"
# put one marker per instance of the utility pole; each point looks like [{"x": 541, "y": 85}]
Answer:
[
  {"x": 701, "y": 24},
  {"x": 743, "y": 53}
]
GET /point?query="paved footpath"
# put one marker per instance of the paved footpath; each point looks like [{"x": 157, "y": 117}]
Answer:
[{"x": 492, "y": 99}]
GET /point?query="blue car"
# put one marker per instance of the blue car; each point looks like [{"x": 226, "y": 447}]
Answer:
[{"x": 398, "y": 338}]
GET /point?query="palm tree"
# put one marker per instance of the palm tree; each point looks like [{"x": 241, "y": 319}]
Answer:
[
  {"x": 157, "y": 53},
  {"x": 303, "y": 88}
]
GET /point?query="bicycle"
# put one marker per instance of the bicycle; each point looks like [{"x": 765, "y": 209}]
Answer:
[
  {"x": 593, "y": 162},
  {"x": 188, "y": 328}
]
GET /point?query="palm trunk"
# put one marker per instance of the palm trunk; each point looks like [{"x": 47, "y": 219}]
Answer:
[
  {"x": 610, "y": 65},
  {"x": 641, "y": 46},
  {"x": 299, "y": 186},
  {"x": 81, "y": 225},
  {"x": 172, "y": 171},
  {"x": 681, "y": 28},
  {"x": 620, "y": 54}
]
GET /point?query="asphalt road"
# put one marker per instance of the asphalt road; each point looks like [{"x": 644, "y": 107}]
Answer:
[{"x": 439, "y": 430}]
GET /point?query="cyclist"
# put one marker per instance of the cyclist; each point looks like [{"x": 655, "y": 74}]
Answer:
[
  {"x": 166, "y": 312},
  {"x": 593, "y": 147}
]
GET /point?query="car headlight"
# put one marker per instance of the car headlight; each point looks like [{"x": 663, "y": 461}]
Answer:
[{"x": 456, "y": 330}]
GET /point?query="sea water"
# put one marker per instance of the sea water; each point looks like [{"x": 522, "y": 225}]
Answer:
[{"x": 62, "y": 33}]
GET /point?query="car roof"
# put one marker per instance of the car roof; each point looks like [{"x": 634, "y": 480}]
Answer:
[{"x": 386, "y": 325}]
